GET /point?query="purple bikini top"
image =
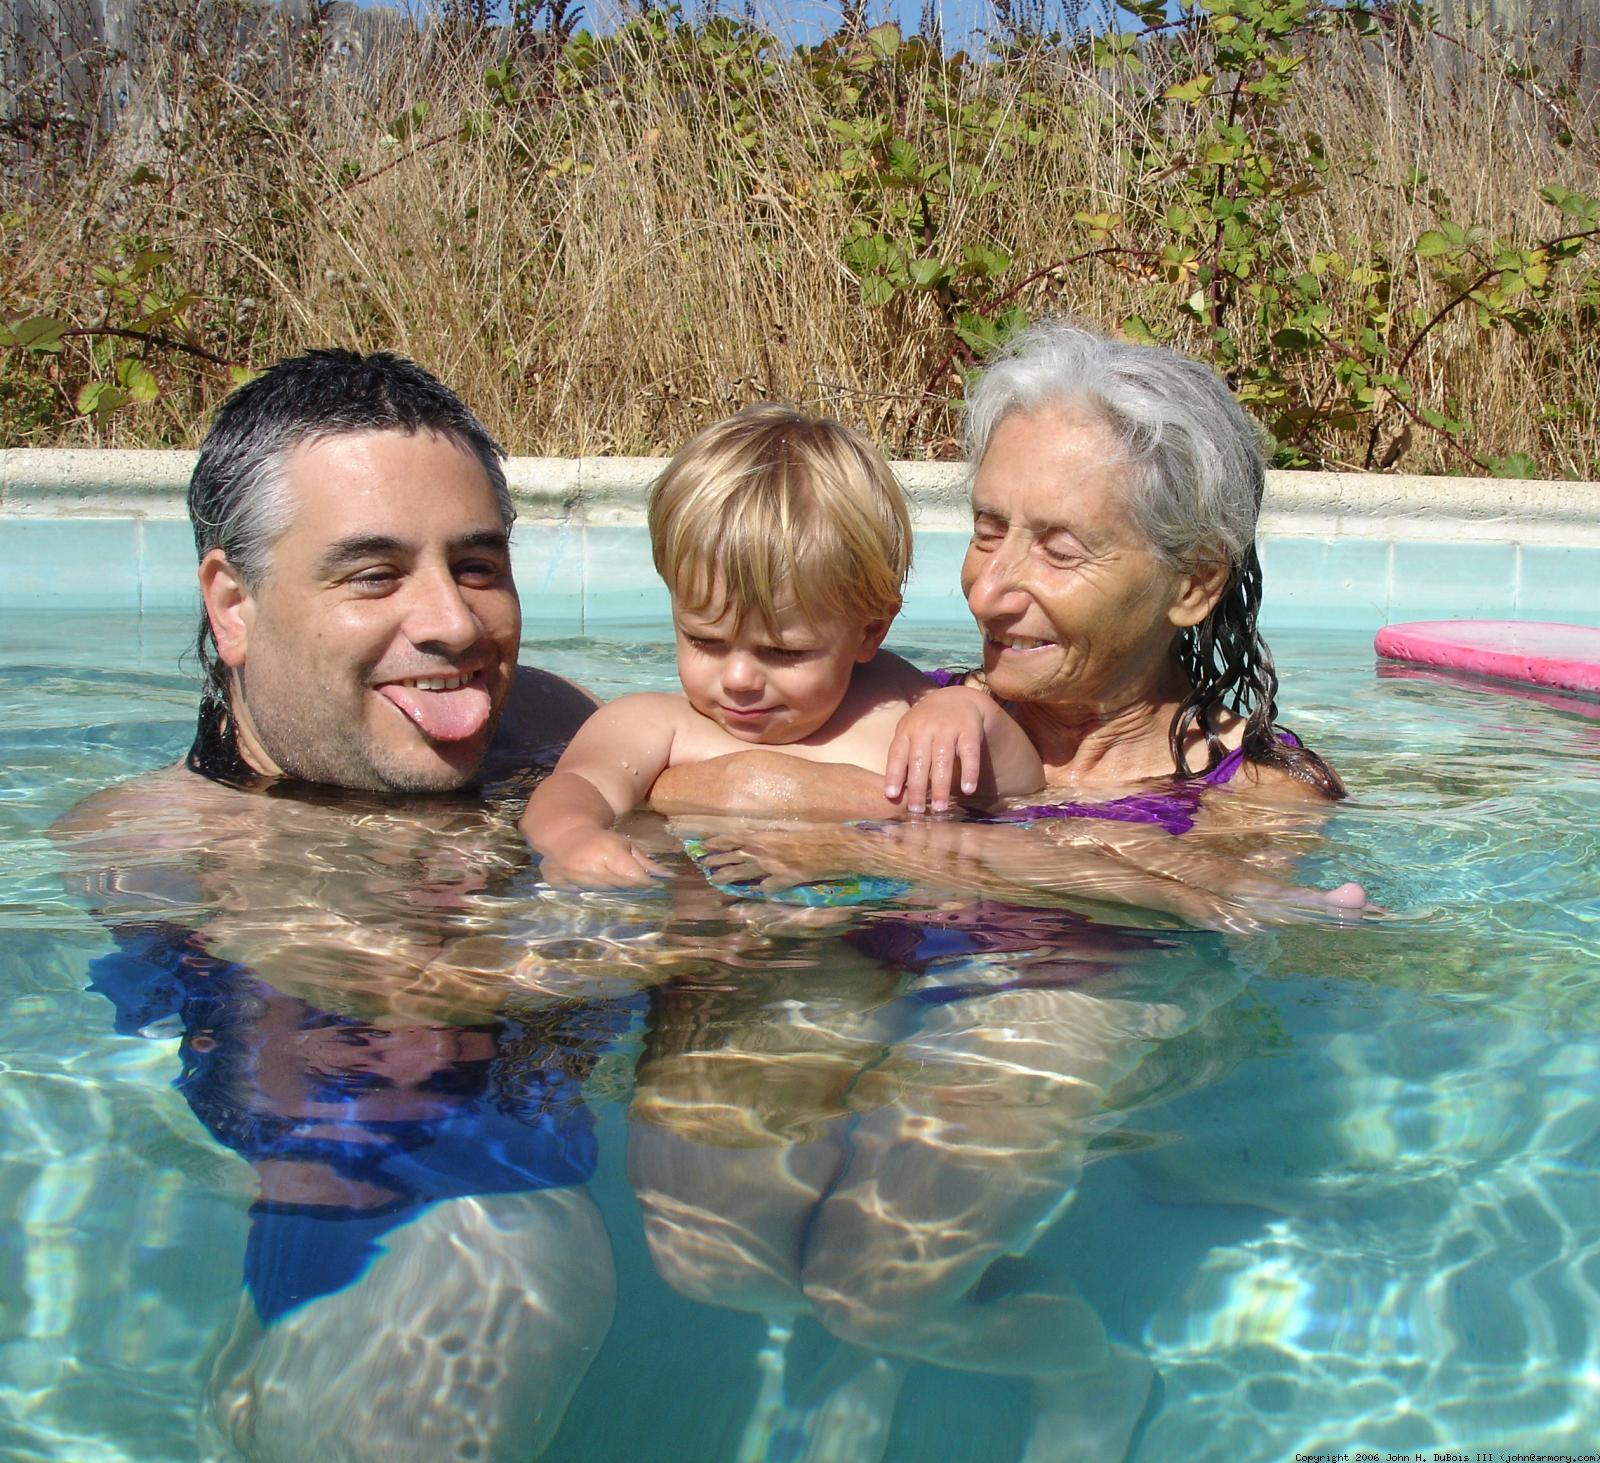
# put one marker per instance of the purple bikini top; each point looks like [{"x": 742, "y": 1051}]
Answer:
[{"x": 1173, "y": 810}]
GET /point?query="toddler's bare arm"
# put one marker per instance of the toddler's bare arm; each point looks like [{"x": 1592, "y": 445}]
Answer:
[{"x": 606, "y": 772}]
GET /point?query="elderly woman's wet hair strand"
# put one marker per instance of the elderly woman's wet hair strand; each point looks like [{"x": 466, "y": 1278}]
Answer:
[{"x": 1195, "y": 473}]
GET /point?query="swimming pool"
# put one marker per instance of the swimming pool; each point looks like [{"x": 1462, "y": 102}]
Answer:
[{"x": 1341, "y": 1187}]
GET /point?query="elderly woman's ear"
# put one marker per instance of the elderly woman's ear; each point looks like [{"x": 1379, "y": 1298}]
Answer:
[{"x": 1198, "y": 590}]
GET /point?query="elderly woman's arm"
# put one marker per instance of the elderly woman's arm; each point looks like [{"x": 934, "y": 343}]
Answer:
[
  {"x": 1068, "y": 861},
  {"x": 758, "y": 783}
]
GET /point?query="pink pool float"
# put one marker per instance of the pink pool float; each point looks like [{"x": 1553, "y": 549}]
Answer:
[{"x": 1533, "y": 652}]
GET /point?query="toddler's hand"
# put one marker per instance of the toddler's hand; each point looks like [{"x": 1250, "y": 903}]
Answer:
[
  {"x": 941, "y": 734},
  {"x": 600, "y": 860}
]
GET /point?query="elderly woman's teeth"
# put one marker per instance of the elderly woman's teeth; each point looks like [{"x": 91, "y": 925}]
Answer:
[{"x": 1018, "y": 642}]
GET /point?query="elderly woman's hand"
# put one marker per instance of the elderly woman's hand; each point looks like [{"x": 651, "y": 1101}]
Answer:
[
  {"x": 937, "y": 739},
  {"x": 958, "y": 729}
]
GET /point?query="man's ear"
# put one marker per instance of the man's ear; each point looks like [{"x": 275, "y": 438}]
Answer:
[
  {"x": 872, "y": 637},
  {"x": 228, "y": 605},
  {"x": 1199, "y": 589}
]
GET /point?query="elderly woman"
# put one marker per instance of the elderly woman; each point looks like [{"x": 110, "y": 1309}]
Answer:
[{"x": 1113, "y": 574}]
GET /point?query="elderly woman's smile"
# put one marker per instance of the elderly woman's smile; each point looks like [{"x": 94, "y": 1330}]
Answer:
[{"x": 1069, "y": 597}]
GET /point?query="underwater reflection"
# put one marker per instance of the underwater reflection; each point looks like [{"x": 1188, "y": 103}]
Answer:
[
  {"x": 878, "y": 1140},
  {"x": 423, "y": 1269},
  {"x": 1575, "y": 703}
]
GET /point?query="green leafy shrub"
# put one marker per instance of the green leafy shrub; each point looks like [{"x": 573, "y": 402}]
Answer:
[{"x": 1382, "y": 234}]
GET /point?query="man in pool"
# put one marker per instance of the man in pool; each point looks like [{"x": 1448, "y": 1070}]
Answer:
[{"x": 359, "y": 637}]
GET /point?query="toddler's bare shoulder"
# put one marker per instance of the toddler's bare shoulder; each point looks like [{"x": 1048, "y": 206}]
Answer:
[{"x": 887, "y": 678}]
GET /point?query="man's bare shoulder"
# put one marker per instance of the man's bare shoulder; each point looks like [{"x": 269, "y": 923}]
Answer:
[
  {"x": 159, "y": 819},
  {"x": 543, "y": 712},
  {"x": 127, "y": 847},
  {"x": 162, "y": 809}
]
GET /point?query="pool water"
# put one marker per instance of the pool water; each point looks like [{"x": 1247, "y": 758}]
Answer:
[{"x": 858, "y": 1193}]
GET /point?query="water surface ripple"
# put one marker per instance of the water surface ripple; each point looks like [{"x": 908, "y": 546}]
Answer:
[{"x": 407, "y": 1156}]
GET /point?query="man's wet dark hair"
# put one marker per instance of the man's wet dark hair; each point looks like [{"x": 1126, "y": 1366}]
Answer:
[{"x": 237, "y": 497}]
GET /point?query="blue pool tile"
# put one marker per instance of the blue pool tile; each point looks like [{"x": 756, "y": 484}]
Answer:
[
  {"x": 575, "y": 579},
  {"x": 620, "y": 582},
  {"x": 933, "y": 592},
  {"x": 69, "y": 564},
  {"x": 1315, "y": 583},
  {"x": 166, "y": 565},
  {"x": 613, "y": 605},
  {"x": 1559, "y": 584},
  {"x": 1452, "y": 581},
  {"x": 547, "y": 560},
  {"x": 936, "y": 614}
]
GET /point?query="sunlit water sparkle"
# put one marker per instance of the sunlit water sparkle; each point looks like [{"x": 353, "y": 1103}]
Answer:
[{"x": 1341, "y": 1186}]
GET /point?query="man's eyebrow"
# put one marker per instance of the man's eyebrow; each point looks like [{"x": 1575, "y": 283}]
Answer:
[
  {"x": 488, "y": 538},
  {"x": 343, "y": 552}
]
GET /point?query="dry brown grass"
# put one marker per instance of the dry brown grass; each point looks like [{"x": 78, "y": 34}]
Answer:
[{"x": 605, "y": 275}]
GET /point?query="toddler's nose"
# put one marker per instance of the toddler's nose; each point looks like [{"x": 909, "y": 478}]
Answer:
[{"x": 742, "y": 675}]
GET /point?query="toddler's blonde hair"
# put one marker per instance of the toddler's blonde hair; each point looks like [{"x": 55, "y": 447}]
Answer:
[{"x": 770, "y": 507}]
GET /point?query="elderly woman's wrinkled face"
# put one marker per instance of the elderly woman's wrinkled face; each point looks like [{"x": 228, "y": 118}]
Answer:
[{"x": 1075, "y": 608}]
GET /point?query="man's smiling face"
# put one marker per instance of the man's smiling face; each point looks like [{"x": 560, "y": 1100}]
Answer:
[{"x": 380, "y": 645}]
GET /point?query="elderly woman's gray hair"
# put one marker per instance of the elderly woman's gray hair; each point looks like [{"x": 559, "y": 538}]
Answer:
[
  {"x": 1195, "y": 475},
  {"x": 1194, "y": 457}
]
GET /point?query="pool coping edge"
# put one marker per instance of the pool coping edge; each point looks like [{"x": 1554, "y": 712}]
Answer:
[{"x": 89, "y": 483}]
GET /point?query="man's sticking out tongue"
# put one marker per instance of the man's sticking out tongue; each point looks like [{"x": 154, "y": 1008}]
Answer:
[{"x": 443, "y": 716}]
